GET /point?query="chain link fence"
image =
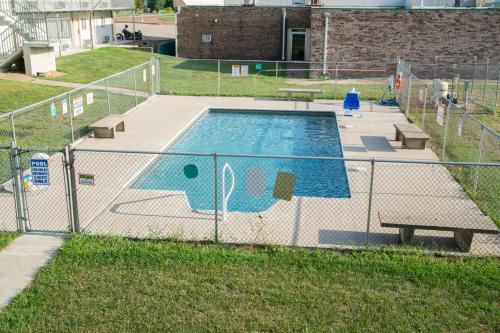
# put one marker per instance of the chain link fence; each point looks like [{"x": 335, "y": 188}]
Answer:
[
  {"x": 474, "y": 85},
  {"x": 64, "y": 119},
  {"x": 352, "y": 202},
  {"x": 245, "y": 78},
  {"x": 455, "y": 134}
]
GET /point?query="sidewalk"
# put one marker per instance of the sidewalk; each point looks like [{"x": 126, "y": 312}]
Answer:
[
  {"x": 20, "y": 261},
  {"x": 28, "y": 79}
]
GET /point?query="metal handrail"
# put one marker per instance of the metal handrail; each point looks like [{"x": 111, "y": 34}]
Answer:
[{"x": 225, "y": 198}]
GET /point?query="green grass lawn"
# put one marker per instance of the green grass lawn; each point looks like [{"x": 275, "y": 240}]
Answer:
[
  {"x": 15, "y": 95},
  {"x": 6, "y": 238},
  {"x": 200, "y": 78},
  {"x": 93, "y": 65},
  {"x": 116, "y": 285}
]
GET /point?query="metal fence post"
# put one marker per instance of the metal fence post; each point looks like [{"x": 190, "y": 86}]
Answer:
[
  {"x": 17, "y": 183},
  {"x": 473, "y": 78},
  {"x": 409, "y": 93},
  {"x": 276, "y": 78},
  {"x": 486, "y": 77},
  {"x": 107, "y": 94},
  {"x": 14, "y": 140},
  {"x": 151, "y": 82},
  {"x": 335, "y": 82},
  {"x": 69, "y": 170},
  {"x": 496, "y": 96},
  {"x": 218, "y": 77},
  {"x": 370, "y": 201},
  {"x": 479, "y": 153},
  {"x": 216, "y": 201},
  {"x": 158, "y": 76},
  {"x": 135, "y": 88},
  {"x": 443, "y": 153},
  {"x": 70, "y": 108},
  {"x": 425, "y": 109}
]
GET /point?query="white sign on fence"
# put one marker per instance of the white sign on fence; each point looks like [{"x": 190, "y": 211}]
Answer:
[
  {"x": 440, "y": 115},
  {"x": 460, "y": 127},
  {"x": 421, "y": 95},
  {"x": 152, "y": 70},
  {"x": 244, "y": 70},
  {"x": 78, "y": 106},
  {"x": 40, "y": 172},
  {"x": 144, "y": 75},
  {"x": 236, "y": 70},
  {"x": 90, "y": 98},
  {"x": 64, "y": 106}
]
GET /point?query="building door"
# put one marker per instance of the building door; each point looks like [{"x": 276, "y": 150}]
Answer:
[
  {"x": 298, "y": 45},
  {"x": 84, "y": 31}
]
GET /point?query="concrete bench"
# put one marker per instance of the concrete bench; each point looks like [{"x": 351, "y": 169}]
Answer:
[
  {"x": 411, "y": 136},
  {"x": 291, "y": 91},
  {"x": 463, "y": 228},
  {"x": 105, "y": 128}
]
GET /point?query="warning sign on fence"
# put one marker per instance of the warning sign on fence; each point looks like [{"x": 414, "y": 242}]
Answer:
[
  {"x": 90, "y": 98},
  {"x": 244, "y": 70},
  {"x": 78, "y": 106},
  {"x": 236, "y": 70},
  {"x": 40, "y": 172},
  {"x": 440, "y": 115}
]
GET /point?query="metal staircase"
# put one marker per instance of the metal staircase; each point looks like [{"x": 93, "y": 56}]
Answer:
[{"x": 20, "y": 22}]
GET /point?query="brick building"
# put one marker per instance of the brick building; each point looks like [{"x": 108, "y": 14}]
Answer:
[{"x": 377, "y": 33}]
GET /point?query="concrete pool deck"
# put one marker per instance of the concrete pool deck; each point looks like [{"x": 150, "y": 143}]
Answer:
[{"x": 113, "y": 207}]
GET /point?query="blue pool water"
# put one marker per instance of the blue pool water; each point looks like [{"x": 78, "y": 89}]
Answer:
[{"x": 253, "y": 133}]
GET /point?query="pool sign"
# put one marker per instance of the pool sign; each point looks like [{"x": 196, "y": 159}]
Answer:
[
  {"x": 86, "y": 179},
  {"x": 64, "y": 106},
  {"x": 40, "y": 172},
  {"x": 78, "y": 106},
  {"x": 144, "y": 75},
  {"x": 440, "y": 115},
  {"x": 90, "y": 98},
  {"x": 235, "y": 70},
  {"x": 244, "y": 70},
  {"x": 53, "y": 110},
  {"x": 421, "y": 95}
]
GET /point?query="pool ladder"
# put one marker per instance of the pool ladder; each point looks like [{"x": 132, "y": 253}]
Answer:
[{"x": 225, "y": 198}]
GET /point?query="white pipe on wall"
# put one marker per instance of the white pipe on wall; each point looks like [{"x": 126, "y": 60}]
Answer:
[{"x": 283, "y": 41}]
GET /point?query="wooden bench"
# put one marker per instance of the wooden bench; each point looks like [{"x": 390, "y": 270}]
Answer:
[
  {"x": 463, "y": 228},
  {"x": 411, "y": 136},
  {"x": 105, "y": 128},
  {"x": 291, "y": 91}
]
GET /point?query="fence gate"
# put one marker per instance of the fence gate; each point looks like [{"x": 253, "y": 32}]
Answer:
[
  {"x": 44, "y": 204},
  {"x": 8, "y": 221}
]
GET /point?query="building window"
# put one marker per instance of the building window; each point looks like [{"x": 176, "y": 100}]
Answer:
[
  {"x": 84, "y": 23},
  {"x": 206, "y": 38}
]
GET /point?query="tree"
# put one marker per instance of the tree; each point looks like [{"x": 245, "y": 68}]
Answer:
[
  {"x": 156, "y": 5},
  {"x": 139, "y": 5}
]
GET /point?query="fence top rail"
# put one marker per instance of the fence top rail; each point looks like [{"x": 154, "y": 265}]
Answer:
[
  {"x": 281, "y": 61},
  {"x": 468, "y": 115},
  {"x": 347, "y": 159},
  {"x": 85, "y": 86}
]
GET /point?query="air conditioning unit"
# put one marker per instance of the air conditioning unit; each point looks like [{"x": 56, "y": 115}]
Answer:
[{"x": 106, "y": 39}]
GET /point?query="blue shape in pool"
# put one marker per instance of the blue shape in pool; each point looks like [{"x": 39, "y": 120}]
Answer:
[{"x": 253, "y": 133}]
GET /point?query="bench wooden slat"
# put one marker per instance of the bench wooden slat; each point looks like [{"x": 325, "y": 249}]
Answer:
[{"x": 477, "y": 224}]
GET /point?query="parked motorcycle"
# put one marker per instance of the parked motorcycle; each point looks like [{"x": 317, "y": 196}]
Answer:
[{"x": 127, "y": 35}]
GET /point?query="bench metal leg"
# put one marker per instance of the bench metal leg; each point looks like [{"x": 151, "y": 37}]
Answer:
[
  {"x": 120, "y": 127},
  {"x": 406, "y": 235},
  {"x": 463, "y": 238},
  {"x": 104, "y": 133}
]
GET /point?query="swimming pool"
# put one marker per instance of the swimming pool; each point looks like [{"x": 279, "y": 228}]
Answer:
[{"x": 275, "y": 133}]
